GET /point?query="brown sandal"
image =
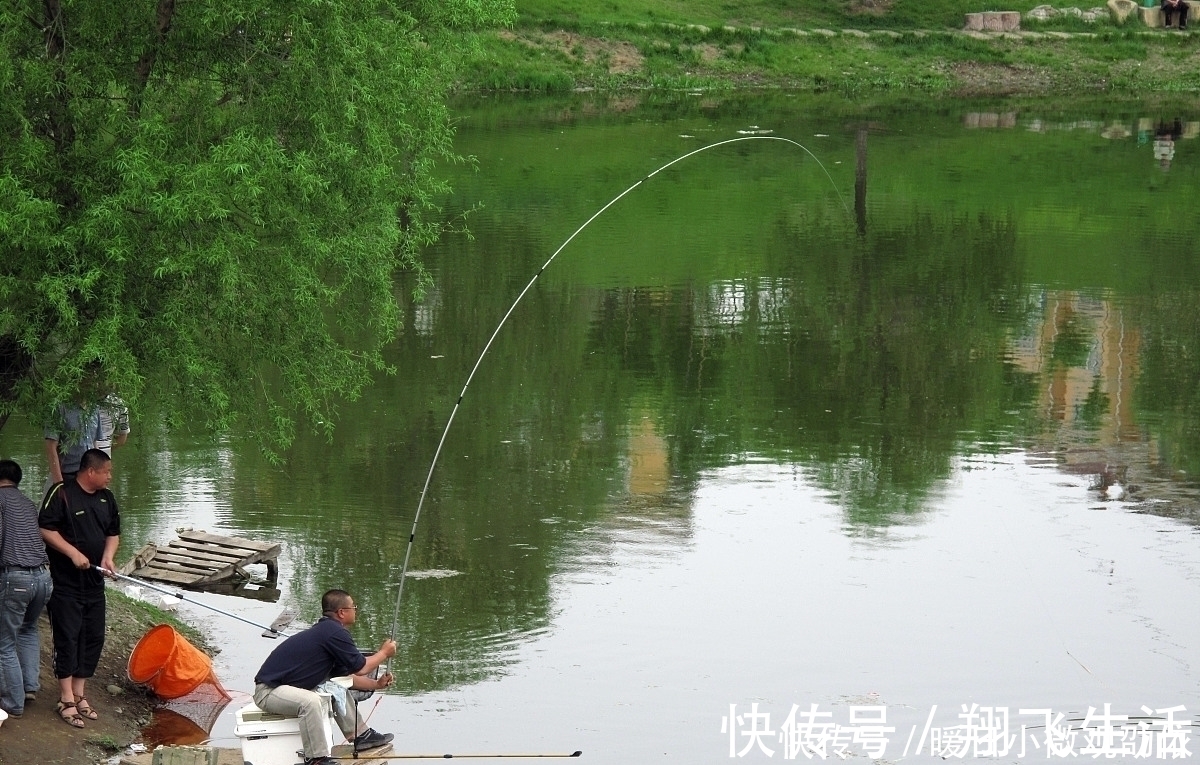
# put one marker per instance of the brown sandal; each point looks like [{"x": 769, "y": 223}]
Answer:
[
  {"x": 85, "y": 709},
  {"x": 73, "y": 719}
]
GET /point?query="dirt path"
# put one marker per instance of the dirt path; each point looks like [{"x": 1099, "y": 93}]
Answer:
[{"x": 40, "y": 736}]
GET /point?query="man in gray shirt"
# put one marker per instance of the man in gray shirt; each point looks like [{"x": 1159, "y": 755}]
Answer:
[
  {"x": 75, "y": 429},
  {"x": 25, "y": 586}
]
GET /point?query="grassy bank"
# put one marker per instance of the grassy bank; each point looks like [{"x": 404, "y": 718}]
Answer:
[{"x": 843, "y": 47}]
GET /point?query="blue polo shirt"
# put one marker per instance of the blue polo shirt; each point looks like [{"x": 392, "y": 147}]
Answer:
[{"x": 309, "y": 658}]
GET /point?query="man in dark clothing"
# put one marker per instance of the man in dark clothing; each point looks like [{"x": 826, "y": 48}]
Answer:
[
  {"x": 285, "y": 684},
  {"x": 81, "y": 527},
  {"x": 1172, "y": 7},
  {"x": 25, "y": 586}
]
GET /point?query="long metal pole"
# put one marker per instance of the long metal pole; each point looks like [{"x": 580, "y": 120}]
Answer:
[{"x": 274, "y": 633}]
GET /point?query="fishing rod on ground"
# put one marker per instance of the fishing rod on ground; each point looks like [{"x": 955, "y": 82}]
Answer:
[
  {"x": 437, "y": 452},
  {"x": 272, "y": 632}
]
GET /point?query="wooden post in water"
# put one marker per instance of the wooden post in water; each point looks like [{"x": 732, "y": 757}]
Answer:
[{"x": 860, "y": 179}]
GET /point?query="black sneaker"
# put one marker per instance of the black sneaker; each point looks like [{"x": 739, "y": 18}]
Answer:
[
  {"x": 371, "y": 738},
  {"x": 320, "y": 761}
]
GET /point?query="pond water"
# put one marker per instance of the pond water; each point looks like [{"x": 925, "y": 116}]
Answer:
[{"x": 902, "y": 429}]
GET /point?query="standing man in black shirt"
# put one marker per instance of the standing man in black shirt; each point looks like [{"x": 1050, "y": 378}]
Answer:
[
  {"x": 299, "y": 664},
  {"x": 82, "y": 528}
]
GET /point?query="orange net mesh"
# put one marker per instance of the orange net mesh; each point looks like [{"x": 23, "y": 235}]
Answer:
[{"x": 164, "y": 661}]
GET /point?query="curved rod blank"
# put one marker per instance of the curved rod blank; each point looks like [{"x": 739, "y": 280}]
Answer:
[{"x": 437, "y": 453}]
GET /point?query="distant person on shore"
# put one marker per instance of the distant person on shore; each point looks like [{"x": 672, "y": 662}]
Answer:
[
  {"x": 1165, "y": 137},
  {"x": 26, "y": 587},
  {"x": 285, "y": 684},
  {"x": 1172, "y": 7},
  {"x": 81, "y": 526}
]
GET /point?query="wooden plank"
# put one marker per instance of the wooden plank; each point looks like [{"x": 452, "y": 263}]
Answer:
[
  {"x": 216, "y": 539},
  {"x": 186, "y": 560},
  {"x": 225, "y": 554},
  {"x": 180, "y": 567},
  {"x": 178, "y": 549},
  {"x": 139, "y": 559},
  {"x": 235, "y": 567},
  {"x": 214, "y": 549},
  {"x": 173, "y": 577},
  {"x": 222, "y": 573}
]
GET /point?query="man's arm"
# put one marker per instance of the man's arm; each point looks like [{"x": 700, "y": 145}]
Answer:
[
  {"x": 51, "y": 446},
  {"x": 363, "y": 683},
  {"x": 55, "y": 540},
  {"x": 360, "y": 681}
]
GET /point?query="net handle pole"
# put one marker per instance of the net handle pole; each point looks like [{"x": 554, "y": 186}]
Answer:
[{"x": 179, "y": 594}]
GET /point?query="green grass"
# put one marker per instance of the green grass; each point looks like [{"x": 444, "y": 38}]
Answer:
[
  {"x": 902, "y": 14},
  {"x": 558, "y": 46},
  {"x": 105, "y": 742}
]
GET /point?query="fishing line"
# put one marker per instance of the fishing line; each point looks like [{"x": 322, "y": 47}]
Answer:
[{"x": 441, "y": 442}]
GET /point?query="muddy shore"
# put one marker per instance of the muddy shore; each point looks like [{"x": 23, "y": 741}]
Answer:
[{"x": 41, "y": 736}]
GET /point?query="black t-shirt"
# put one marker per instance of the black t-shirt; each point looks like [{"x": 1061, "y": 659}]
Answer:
[
  {"x": 86, "y": 521},
  {"x": 309, "y": 658}
]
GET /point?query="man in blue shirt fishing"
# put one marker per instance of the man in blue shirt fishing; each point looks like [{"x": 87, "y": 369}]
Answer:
[{"x": 285, "y": 684}]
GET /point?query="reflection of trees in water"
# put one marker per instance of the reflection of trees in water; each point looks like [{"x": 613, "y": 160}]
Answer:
[
  {"x": 865, "y": 360},
  {"x": 1118, "y": 407},
  {"x": 1168, "y": 395}
]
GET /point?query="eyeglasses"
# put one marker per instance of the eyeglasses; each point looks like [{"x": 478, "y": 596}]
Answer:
[{"x": 348, "y": 608}]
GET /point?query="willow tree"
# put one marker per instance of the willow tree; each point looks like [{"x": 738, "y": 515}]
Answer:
[{"x": 206, "y": 202}]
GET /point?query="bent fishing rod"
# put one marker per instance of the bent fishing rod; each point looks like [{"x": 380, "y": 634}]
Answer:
[
  {"x": 454, "y": 411},
  {"x": 271, "y": 632}
]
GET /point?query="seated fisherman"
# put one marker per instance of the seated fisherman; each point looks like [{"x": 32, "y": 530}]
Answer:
[{"x": 284, "y": 685}]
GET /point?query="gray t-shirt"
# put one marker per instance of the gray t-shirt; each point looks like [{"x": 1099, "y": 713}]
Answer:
[{"x": 76, "y": 431}]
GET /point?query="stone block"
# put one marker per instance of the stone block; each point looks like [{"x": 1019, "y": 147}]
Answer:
[
  {"x": 1121, "y": 10},
  {"x": 184, "y": 755},
  {"x": 993, "y": 21},
  {"x": 1151, "y": 17}
]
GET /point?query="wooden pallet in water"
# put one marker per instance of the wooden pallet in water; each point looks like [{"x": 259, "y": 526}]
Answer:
[{"x": 199, "y": 560}]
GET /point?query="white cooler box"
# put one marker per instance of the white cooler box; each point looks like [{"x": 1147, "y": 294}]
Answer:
[{"x": 269, "y": 739}]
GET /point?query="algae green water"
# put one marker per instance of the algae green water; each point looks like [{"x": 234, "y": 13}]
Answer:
[{"x": 757, "y": 438}]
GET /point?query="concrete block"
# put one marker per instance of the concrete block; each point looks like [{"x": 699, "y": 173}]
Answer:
[
  {"x": 184, "y": 755},
  {"x": 993, "y": 21},
  {"x": 1151, "y": 17},
  {"x": 1121, "y": 10}
]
